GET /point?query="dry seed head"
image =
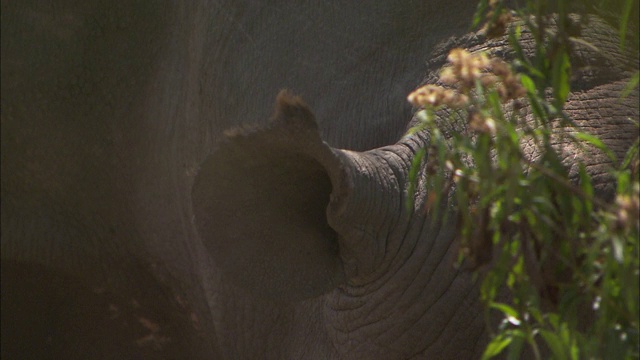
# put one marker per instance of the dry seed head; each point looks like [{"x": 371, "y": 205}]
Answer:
[
  {"x": 497, "y": 28},
  {"x": 457, "y": 56},
  {"x": 628, "y": 210},
  {"x": 500, "y": 68},
  {"x": 447, "y": 76},
  {"x": 427, "y": 95},
  {"x": 482, "y": 124},
  {"x": 488, "y": 80},
  {"x": 510, "y": 88},
  {"x": 455, "y": 100},
  {"x": 466, "y": 67}
]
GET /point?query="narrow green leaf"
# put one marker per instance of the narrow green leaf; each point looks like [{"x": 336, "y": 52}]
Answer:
[
  {"x": 553, "y": 319},
  {"x": 624, "y": 20},
  {"x": 624, "y": 182},
  {"x": 632, "y": 84},
  {"x": 496, "y": 108},
  {"x": 514, "y": 41},
  {"x": 515, "y": 350},
  {"x": 561, "y": 74},
  {"x": 534, "y": 71},
  {"x": 496, "y": 346},
  {"x": 555, "y": 344},
  {"x": 575, "y": 351},
  {"x": 413, "y": 176},
  {"x": 505, "y": 309},
  {"x": 535, "y": 313},
  {"x": 595, "y": 141},
  {"x": 587, "y": 189},
  {"x": 631, "y": 154},
  {"x": 479, "y": 14},
  {"x": 536, "y": 107}
]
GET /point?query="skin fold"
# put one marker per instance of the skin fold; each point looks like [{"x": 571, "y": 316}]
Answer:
[{"x": 156, "y": 204}]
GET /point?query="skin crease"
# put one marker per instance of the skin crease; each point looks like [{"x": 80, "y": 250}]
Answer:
[{"x": 110, "y": 111}]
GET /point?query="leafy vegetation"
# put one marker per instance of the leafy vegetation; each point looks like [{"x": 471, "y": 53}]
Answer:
[{"x": 556, "y": 259}]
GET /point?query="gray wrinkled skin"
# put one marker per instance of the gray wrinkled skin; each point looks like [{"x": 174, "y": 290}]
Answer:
[{"x": 132, "y": 227}]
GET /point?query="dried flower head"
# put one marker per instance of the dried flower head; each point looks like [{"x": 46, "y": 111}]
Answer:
[
  {"x": 454, "y": 99},
  {"x": 482, "y": 124},
  {"x": 434, "y": 95},
  {"x": 510, "y": 87},
  {"x": 496, "y": 25},
  {"x": 465, "y": 68},
  {"x": 427, "y": 95},
  {"x": 628, "y": 211},
  {"x": 447, "y": 76}
]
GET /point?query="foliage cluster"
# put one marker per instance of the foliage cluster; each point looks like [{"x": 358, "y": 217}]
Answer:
[{"x": 559, "y": 263}]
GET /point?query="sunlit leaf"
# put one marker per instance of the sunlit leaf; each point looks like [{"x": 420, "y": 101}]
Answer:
[
  {"x": 496, "y": 346},
  {"x": 595, "y": 141},
  {"x": 561, "y": 74},
  {"x": 555, "y": 344},
  {"x": 528, "y": 84},
  {"x": 631, "y": 154},
  {"x": 505, "y": 309},
  {"x": 479, "y": 14},
  {"x": 517, "y": 343},
  {"x": 624, "y": 20},
  {"x": 416, "y": 163},
  {"x": 631, "y": 85},
  {"x": 587, "y": 189}
]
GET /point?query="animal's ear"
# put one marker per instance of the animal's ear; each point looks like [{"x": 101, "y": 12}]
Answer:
[{"x": 260, "y": 204}]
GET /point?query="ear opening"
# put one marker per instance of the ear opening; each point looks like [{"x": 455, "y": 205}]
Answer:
[{"x": 260, "y": 205}]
